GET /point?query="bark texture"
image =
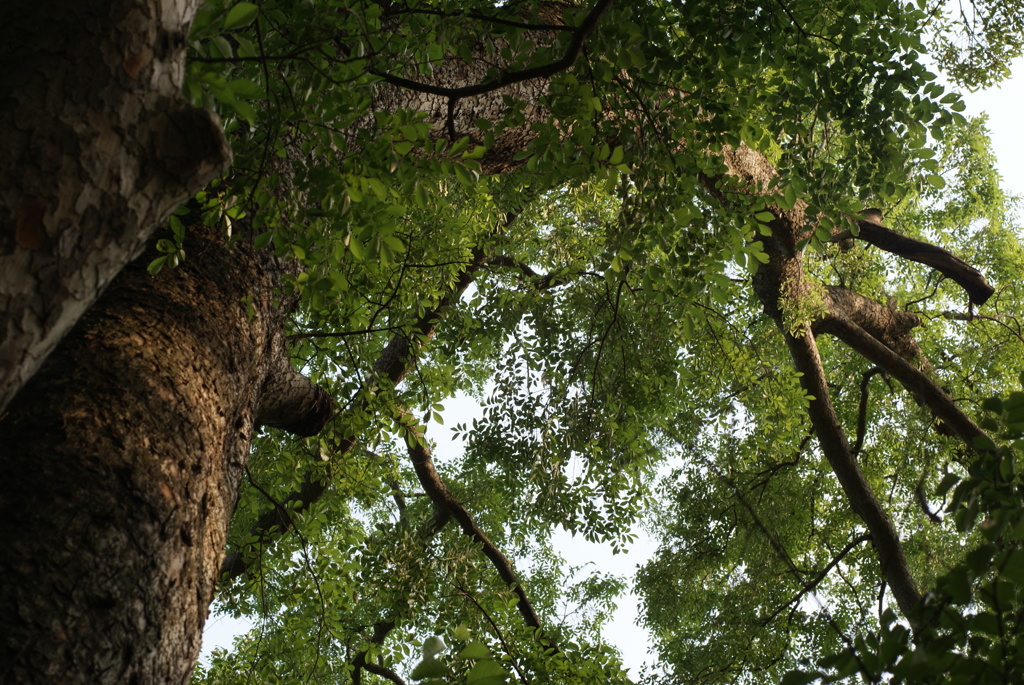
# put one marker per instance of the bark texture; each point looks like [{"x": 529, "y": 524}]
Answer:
[
  {"x": 99, "y": 146},
  {"x": 123, "y": 457}
]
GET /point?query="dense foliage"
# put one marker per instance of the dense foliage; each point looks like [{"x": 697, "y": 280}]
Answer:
[{"x": 535, "y": 205}]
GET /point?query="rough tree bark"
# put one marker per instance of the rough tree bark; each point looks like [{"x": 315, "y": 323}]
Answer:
[
  {"x": 99, "y": 146},
  {"x": 123, "y": 457}
]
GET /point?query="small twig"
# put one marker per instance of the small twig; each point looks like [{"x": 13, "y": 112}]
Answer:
[{"x": 497, "y": 632}]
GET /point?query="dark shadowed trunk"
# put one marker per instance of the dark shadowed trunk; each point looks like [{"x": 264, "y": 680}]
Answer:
[{"x": 122, "y": 461}]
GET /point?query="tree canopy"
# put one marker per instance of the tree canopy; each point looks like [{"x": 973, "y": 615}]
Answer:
[{"x": 737, "y": 272}]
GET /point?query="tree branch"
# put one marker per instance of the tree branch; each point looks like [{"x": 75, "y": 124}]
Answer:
[
  {"x": 862, "y": 408},
  {"x": 965, "y": 275},
  {"x": 572, "y": 53},
  {"x": 885, "y": 323},
  {"x": 927, "y": 391},
  {"x": 380, "y": 633},
  {"x": 393, "y": 364},
  {"x": 844, "y": 464},
  {"x": 537, "y": 280},
  {"x": 783, "y": 274},
  {"x": 442, "y": 497},
  {"x": 809, "y": 587},
  {"x": 292, "y": 402},
  {"x": 427, "y": 531}
]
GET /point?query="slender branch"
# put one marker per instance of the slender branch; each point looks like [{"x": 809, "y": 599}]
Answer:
[
  {"x": 427, "y": 531},
  {"x": 396, "y": 494},
  {"x": 999, "y": 319},
  {"x": 340, "y": 334},
  {"x": 537, "y": 280},
  {"x": 862, "y": 408},
  {"x": 773, "y": 541},
  {"x": 443, "y": 498},
  {"x": 922, "y": 501},
  {"x": 784, "y": 555},
  {"x": 480, "y": 16},
  {"x": 497, "y": 633},
  {"x": 572, "y": 53},
  {"x": 809, "y": 587}
]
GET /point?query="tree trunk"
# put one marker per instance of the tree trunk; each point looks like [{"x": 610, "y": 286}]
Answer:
[
  {"x": 123, "y": 457},
  {"x": 99, "y": 146}
]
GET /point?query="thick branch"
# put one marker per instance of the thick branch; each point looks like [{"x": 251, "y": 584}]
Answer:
[
  {"x": 965, "y": 275},
  {"x": 783, "y": 274},
  {"x": 888, "y": 325},
  {"x": 292, "y": 402},
  {"x": 844, "y": 464},
  {"x": 380, "y": 633},
  {"x": 383, "y": 672},
  {"x": 927, "y": 391}
]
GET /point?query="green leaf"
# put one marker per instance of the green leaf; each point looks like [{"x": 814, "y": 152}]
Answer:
[
  {"x": 240, "y": 15},
  {"x": 263, "y": 239},
  {"x": 156, "y": 265},
  {"x": 947, "y": 482},
  {"x": 486, "y": 672},
  {"x": 993, "y": 404},
  {"x": 983, "y": 442},
  {"x": 474, "y": 650},
  {"x": 464, "y": 175},
  {"x": 357, "y": 249},
  {"x": 1014, "y": 567},
  {"x": 799, "y": 678},
  {"x": 1014, "y": 400},
  {"x": 433, "y": 645},
  {"x": 429, "y": 667},
  {"x": 245, "y": 88}
]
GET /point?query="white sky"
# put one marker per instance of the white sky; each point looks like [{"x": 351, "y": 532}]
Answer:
[{"x": 1005, "y": 107}]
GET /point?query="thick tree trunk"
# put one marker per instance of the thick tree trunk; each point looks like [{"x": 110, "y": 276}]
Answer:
[
  {"x": 122, "y": 461},
  {"x": 99, "y": 146}
]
